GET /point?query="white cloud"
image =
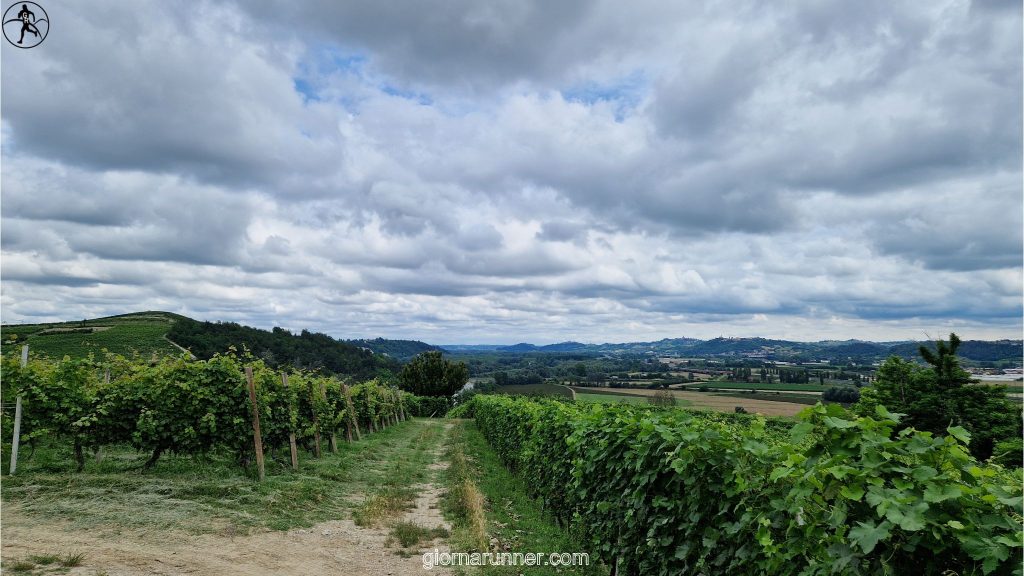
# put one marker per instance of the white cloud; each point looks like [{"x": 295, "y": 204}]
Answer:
[{"x": 521, "y": 171}]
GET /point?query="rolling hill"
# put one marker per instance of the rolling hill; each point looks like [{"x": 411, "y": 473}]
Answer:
[
  {"x": 165, "y": 333},
  {"x": 142, "y": 333}
]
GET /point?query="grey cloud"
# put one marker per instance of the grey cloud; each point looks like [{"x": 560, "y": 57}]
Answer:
[
  {"x": 455, "y": 42},
  {"x": 825, "y": 166},
  {"x": 168, "y": 94},
  {"x": 561, "y": 231}
]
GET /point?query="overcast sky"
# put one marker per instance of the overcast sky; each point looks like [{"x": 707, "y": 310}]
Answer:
[{"x": 498, "y": 171}]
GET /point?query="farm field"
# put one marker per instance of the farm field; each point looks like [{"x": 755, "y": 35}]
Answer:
[
  {"x": 615, "y": 398},
  {"x": 755, "y": 386},
  {"x": 806, "y": 399},
  {"x": 546, "y": 389},
  {"x": 143, "y": 334},
  {"x": 711, "y": 402}
]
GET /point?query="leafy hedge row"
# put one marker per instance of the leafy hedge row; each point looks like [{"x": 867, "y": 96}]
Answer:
[
  {"x": 429, "y": 406},
  {"x": 184, "y": 406},
  {"x": 679, "y": 492}
]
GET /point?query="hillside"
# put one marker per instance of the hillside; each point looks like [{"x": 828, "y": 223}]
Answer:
[
  {"x": 1004, "y": 352},
  {"x": 400, "y": 349},
  {"x": 140, "y": 333},
  {"x": 165, "y": 333},
  {"x": 280, "y": 347}
]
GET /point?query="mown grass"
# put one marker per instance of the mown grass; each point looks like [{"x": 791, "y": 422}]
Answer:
[
  {"x": 793, "y": 398},
  {"x": 616, "y": 398},
  {"x": 213, "y": 494},
  {"x": 545, "y": 389},
  {"x": 393, "y": 492},
  {"x": 500, "y": 516},
  {"x": 809, "y": 387}
]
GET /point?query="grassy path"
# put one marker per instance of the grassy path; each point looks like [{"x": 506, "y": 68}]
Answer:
[
  {"x": 367, "y": 510},
  {"x": 491, "y": 510}
]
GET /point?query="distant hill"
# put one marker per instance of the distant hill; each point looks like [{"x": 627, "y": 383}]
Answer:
[
  {"x": 400, "y": 349},
  {"x": 142, "y": 333},
  {"x": 522, "y": 347},
  {"x": 279, "y": 347},
  {"x": 165, "y": 333},
  {"x": 564, "y": 347},
  {"x": 979, "y": 350},
  {"x": 856, "y": 351}
]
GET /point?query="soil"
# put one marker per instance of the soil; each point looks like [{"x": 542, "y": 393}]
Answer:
[{"x": 335, "y": 547}]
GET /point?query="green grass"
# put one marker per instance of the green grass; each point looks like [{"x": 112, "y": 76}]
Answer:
[
  {"x": 757, "y": 386},
  {"x": 546, "y": 389},
  {"x": 212, "y": 494},
  {"x": 512, "y": 518},
  {"x": 806, "y": 399},
  {"x": 72, "y": 560},
  {"x": 616, "y": 398},
  {"x": 21, "y": 566},
  {"x": 130, "y": 334},
  {"x": 410, "y": 534}
]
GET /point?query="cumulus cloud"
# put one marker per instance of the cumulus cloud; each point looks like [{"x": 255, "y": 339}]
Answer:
[{"x": 521, "y": 170}]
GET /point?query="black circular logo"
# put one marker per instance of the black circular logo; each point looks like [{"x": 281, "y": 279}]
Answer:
[{"x": 26, "y": 24}]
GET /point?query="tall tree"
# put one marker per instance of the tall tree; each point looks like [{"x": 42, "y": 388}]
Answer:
[
  {"x": 943, "y": 395},
  {"x": 429, "y": 374}
]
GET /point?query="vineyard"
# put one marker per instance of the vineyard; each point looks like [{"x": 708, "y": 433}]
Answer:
[
  {"x": 189, "y": 407},
  {"x": 656, "y": 491}
]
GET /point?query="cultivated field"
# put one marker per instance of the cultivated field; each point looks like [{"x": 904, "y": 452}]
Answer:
[
  {"x": 142, "y": 334},
  {"x": 710, "y": 401}
]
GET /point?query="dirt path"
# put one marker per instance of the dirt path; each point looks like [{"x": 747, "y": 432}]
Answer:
[{"x": 335, "y": 547}]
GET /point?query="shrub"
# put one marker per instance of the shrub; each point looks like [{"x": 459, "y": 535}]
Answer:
[
  {"x": 844, "y": 394},
  {"x": 678, "y": 492}
]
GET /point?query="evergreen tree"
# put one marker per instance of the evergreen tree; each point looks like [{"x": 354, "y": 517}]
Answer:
[
  {"x": 429, "y": 374},
  {"x": 944, "y": 395}
]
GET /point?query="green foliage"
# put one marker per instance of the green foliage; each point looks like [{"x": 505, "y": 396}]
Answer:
[
  {"x": 400, "y": 349},
  {"x": 1009, "y": 452},
  {"x": 663, "y": 397},
  {"x": 141, "y": 334},
  {"x": 844, "y": 394},
  {"x": 429, "y": 406},
  {"x": 184, "y": 406},
  {"x": 677, "y": 492},
  {"x": 429, "y": 374},
  {"x": 943, "y": 395},
  {"x": 280, "y": 348}
]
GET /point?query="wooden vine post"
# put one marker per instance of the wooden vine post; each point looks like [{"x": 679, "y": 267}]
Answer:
[
  {"x": 401, "y": 406},
  {"x": 334, "y": 439},
  {"x": 316, "y": 423},
  {"x": 351, "y": 411},
  {"x": 394, "y": 407},
  {"x": 257, "y": 438},
  {"x": 348, "y": 414},
  {"x": 291, "y": 429},
  {"x": 17, "y": 417}
]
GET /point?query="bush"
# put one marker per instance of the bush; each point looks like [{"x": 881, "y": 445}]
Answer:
[
  {"x": 429, "y": 374},
  {"x": 430, "y": 406},
  {"x": 844, "y": 394},
  {"x": 678, "y": 492}
]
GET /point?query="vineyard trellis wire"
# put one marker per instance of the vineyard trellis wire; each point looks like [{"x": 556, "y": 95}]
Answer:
[{"x": 185, "y": 406}]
